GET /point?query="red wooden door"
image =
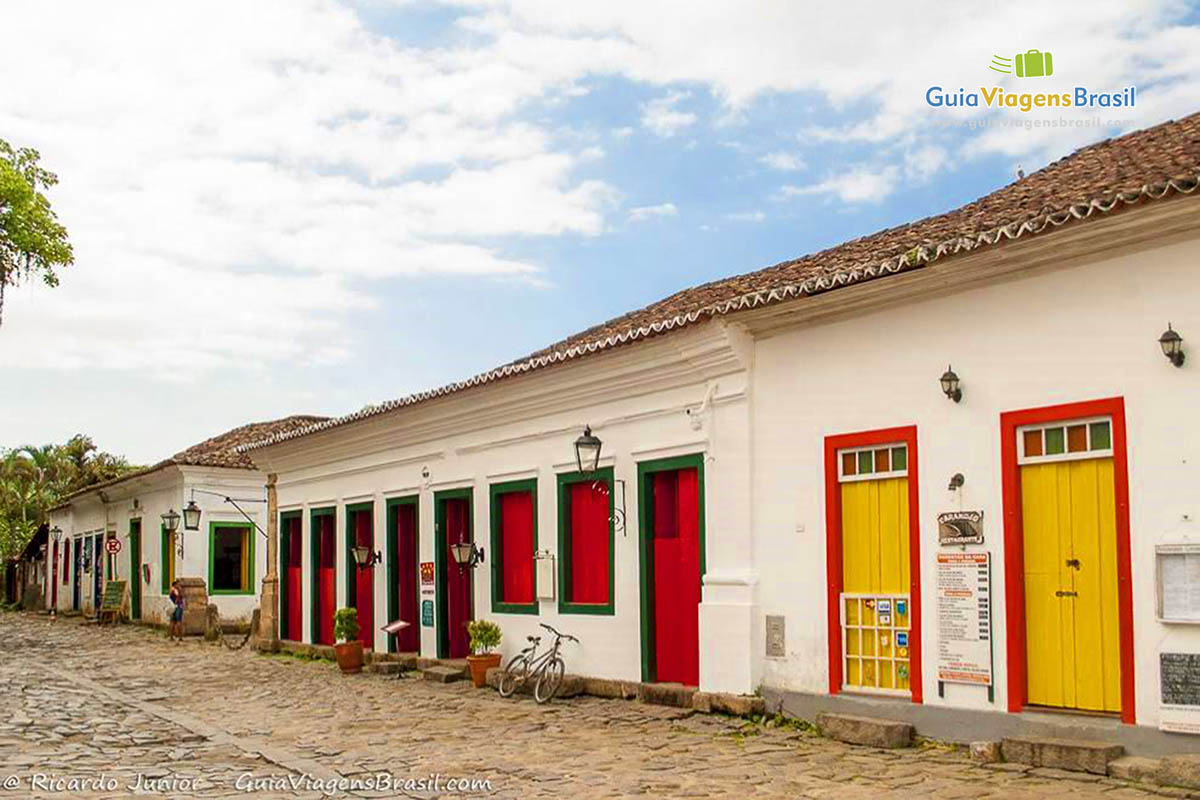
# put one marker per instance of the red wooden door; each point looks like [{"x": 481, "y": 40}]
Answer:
[
  {"x": 405, "y": 548},
  {"x": 328, "y": 581},
  {"x": 364, "y": 580},
  {"x": 293, "y": 580},
  {"x": 458, "y": 579},
  {"x": 677, "y": 576}
]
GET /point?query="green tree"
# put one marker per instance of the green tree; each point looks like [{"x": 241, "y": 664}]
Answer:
[
  {"x": 32, "y": 241},
  {"x": 33, "y": 479}
]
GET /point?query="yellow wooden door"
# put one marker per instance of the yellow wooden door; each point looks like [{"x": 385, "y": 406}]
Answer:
[
  {"x": 875, "y": 561},
  {"x": 1072, "y": 631}
]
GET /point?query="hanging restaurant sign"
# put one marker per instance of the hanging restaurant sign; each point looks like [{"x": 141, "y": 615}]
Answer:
[{"x": 960, "y": 527}]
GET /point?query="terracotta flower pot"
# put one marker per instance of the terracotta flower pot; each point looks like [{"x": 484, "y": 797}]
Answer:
[
  {"x": 480, "y": 665},
  {"x": 349, "y": 656}
]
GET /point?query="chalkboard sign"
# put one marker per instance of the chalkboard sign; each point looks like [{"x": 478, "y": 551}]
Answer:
[
  {"x": 1179, "y": 675},
  {"x": 114, "y": 596}
]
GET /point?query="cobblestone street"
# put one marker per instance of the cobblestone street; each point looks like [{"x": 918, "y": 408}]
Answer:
[{"x": 199, "y": 720}]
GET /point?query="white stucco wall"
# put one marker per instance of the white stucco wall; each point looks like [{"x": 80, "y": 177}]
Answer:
[
  {"x": 155, "y": 494},
  {"x": 1064, "y": 336},
  {"x": 637, "y": 422}
]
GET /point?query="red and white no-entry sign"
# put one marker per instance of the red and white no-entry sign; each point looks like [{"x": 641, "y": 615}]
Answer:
[{"x": 112, "y": 546}]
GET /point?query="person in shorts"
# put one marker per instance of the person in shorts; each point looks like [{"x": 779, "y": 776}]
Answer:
[{"x": 175, "y": 629}]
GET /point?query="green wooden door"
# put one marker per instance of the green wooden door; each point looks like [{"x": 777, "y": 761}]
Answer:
[{"x": 135, "y": 569}]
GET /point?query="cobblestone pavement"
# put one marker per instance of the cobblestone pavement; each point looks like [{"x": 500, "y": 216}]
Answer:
[{"x": 85, "y": 703}]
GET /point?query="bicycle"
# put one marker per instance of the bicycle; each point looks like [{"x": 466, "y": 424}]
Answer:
[{"x": 547, "y": 668}]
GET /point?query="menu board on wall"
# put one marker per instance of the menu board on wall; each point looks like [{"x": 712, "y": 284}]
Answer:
[
  {"x": 1179, "y": 582},
  {"x": 964, "y": 617},
  {"x": 1179, "y": 687}
]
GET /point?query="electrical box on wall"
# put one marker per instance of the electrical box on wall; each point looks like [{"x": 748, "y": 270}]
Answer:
[
  {"x": 1178, "y": 579},
  {"x": 546, "y": 575}
]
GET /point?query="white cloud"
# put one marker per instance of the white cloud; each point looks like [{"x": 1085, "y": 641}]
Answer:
[
  {"x": 925, "y": 162},
  {"x": 663, "y": 118},
  {"x": 859, "y": 184},
  {"x": 644, "y": 213},
  {"x": 784, "y": 162},
  {"x": 277, "y": 151},
  {"x": 747, "y": 216}
]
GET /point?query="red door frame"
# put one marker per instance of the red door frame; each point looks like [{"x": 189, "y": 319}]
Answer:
[
  {"x": 54, "y": 580},
  {"x": 833, "y": 548},
  {"x": 1014, "y": 541}
]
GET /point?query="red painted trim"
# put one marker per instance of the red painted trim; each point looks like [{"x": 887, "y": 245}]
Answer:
[
  {"x": 833, "y": 549},
  {"x": 1014, "y": 555}
]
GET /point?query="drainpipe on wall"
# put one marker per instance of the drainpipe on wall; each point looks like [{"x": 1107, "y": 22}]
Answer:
[{"x": 268, "y": 619}]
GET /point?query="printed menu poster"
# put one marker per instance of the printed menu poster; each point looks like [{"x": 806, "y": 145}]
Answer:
[{"x": 964, "y": 617}]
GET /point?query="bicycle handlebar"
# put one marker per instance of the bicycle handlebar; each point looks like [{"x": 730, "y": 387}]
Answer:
[{"x": 559, "y": 634}]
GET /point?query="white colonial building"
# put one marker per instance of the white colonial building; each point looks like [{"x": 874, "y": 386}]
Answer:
[
  {"x": 118, "y": 530},
  {"x": 796, "y": 495}
]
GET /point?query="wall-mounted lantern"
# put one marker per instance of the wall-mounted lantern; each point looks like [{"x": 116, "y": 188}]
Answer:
[
  {"x": 191, "y": 516},
  {"x": 466, "y": 555},
  {"x": 56, "y": 532},
  {"x": 950, "y": 386},
  {"x": 170, "y": 521},
  {"x": 1172, "y": 346},
  {"x": 587, "y": 452},
  {"x": 364, "y": 558}
]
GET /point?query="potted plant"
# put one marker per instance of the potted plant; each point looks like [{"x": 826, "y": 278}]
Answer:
[
  {"x": 349, "y": 650},
  {"x": 485, "y": 637}
]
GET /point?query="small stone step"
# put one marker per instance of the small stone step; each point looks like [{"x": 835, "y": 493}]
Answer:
[
  {"x": 1180, "y": 770},
  {"x": 1134, "y": 768},
  {"x": 666, "y": 694},
  {"x": 868, "y": 731},
  {"x": 1069, "y": 754},
  {"x": 441, "y": 674},
  {"x": 736, "y": 705},
  {"x": 388, "y": 667}
]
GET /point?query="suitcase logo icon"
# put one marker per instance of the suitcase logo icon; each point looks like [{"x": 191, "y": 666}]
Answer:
[{"x": 1030, "y": 64}]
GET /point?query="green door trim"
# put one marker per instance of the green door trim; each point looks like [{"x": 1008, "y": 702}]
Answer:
[
  {"x": 439, "y": 561},
  {"x": 314, "y": 571},
  {"x": 282, "y": 571},
  {"x": 645, "y": 471},
  {"x": 135, "y": 569},
  {"x": 565, "y": 480},
  {"x": 499, "y": 606},
  {"x": 393, "y": 505},
  {"x": 349, "y": 542}
]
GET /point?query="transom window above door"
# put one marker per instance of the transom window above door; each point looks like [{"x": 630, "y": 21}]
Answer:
[
  {"x": 873, "y": 463},
  {"x": 1065, "y": 441}
]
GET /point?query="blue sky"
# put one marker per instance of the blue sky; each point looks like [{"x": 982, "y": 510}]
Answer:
[{"x": 311, "y": 206}]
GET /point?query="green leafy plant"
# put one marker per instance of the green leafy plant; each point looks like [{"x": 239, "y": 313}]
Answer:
[
  {"x": 345, "y": 624},
  {"x": 32, "y": 242},
  {"x": 485, "y": 636}
]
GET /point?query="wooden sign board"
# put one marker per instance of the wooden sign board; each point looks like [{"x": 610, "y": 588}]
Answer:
[{"x": 114, "y": 596}]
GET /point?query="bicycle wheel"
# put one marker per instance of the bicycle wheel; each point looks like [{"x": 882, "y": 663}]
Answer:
[
  {"x": 513, "y": 674},
  {"x": 549, "y": 680}
]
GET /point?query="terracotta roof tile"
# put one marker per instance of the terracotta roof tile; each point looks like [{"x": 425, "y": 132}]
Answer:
[
  {"x": 1142, "y": 166},
  {"x": 217, "y": 451}
]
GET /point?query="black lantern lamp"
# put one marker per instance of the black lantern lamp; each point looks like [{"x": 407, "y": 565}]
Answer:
[
  {"x": 1172, "y": 346},
  {"x": 191, "y": 516},
  {"x": 170, "y": 521},
  {"x": 466, "y": 554},
  {"x": 363, "y": 556},
  {"x": 56, "y": 532},
  {"x": 950, "y": 386},
  {"x": 587, "y": 451}
]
